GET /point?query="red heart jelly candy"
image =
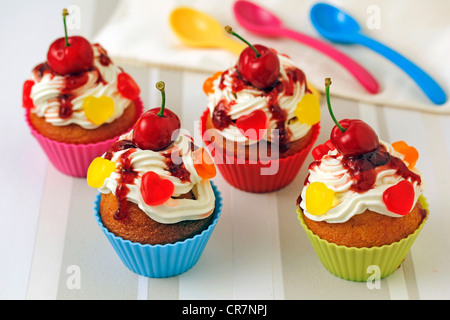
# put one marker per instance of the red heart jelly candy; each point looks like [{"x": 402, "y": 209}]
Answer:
[
  {"x": 399, "y": 198},
  {"x": 154, "y": 190},
  {"x": 322, "y": 149},
  {"x": 127, "y": 87},
  {"x": 253, "y": 125},
  {"x": 27, "y": 102}
]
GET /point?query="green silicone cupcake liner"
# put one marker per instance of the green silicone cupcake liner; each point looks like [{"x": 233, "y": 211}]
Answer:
[{"x": 360, "y": 264}]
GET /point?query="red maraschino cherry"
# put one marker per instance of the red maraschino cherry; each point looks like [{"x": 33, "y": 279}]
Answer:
[
  {"x": 351, "y": 137},
  {"x": 257, "y": 64},
  {"x": 154, "y": 130},
  {"x": 70, "y": 55}
]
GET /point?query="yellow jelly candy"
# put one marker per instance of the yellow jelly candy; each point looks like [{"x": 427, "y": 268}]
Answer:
[
  {"x": 308, "y": 109},
  {"x": 98, "y": 171},
  {"x": 319, "y": 198},
  {"x": 313, "y": 90},
  {"x": 203, "y": 164},
  {"x": 98, "y": 110}
]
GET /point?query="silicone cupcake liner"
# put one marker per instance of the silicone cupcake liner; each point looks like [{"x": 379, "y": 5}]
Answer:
[
  {"x": 74, "y": 159},
  {"x": 247, "y": 176},
  {"x": 162, "y": 261},
  {"x": 360, "y": 264}
]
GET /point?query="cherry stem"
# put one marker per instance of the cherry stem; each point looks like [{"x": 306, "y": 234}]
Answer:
[
  {"x": 327, "y": 90},
  {"x": 230, "y": 31},
  {"x": 160, "y": 86},
  {"x": 65, "y": 13}
]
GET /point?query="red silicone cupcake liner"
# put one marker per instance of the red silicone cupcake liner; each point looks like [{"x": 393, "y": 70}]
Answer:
[
  {"x": 74, "y": 159},
  {"x": 246, "y": 175}
]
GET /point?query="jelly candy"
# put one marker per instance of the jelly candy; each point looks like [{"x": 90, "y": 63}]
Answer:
[
  {"x": 313, "y": 90},
  {"x": 319, "y": 198},
  {"x": 308, "y": 109},
  {"x": 322, "y": 149},
  {"x": 253, "y": 125},
  {"x": 399, "y": 198},
  {"x": 127, "y": 87},
  {"x": 410, "y": 153},
  {"x": 155, "y": 190},
  {"x": 208, "y": 84},
  {"x": 27, "y": 102},
  {"x": 203, "y": 164},
  {"x": 98, "y": 171},
  {"x": 98, "y": 110}
]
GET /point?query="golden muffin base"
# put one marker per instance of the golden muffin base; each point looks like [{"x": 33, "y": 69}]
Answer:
[
  {"x": 76, "y": 134},
  {"x": 251, "y": 152},
  {"x": 137, "y": 226},
  {"x": 368, "y": 229}
]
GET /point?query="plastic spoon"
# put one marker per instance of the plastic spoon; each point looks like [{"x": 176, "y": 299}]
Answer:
[
  {"x": 198, "y": 29},
  {"x": 260, "y": 21},
  {"x": 337, "y": 26}
]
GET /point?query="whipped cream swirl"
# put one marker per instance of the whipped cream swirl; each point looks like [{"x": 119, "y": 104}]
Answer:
[
  {"x": 246, "y": 99},
  {"x": 51, "y": 91},
  {"x": 347, "y": 202},
  {"x": 173, "y": 210}
]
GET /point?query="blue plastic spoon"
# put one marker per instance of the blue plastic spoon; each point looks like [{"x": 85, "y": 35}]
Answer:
[{"x": 338, "y": 26}]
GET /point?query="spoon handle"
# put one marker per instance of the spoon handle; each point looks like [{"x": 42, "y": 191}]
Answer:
[
  {"x": 359, "y": 72},
  {"x": 429, "y": 86}
]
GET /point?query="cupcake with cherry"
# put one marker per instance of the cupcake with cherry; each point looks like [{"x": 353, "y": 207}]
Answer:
[
  {"x": 78, "y": 101},
  {"x": 156, "y": 203},
  {"x": 362, "y": 203},
  {"x": 260, "y": 113}
]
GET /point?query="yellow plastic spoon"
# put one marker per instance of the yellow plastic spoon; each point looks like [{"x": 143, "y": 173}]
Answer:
[{"x": 198, "y": 29}]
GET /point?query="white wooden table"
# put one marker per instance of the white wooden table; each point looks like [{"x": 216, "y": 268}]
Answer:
[{"x": 52, "y": 248}]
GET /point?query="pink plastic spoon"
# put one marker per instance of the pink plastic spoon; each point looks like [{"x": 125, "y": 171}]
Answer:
[{"x": 262, "y": 22}]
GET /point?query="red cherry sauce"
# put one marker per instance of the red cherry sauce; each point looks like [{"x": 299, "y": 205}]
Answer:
[
  {"x": 222, "y": 120},
  {"x": 70, "y": 84},
  {"x": 118, "y": 146},
  {"x": 103, "y": 58},
  {"x": 220, "y": 117},
  {"x": 175, "y": 166},
  {"x": 127, "y": 175}
]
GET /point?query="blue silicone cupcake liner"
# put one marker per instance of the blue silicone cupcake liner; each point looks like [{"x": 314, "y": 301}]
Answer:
[{"x": 161, "y": 261}]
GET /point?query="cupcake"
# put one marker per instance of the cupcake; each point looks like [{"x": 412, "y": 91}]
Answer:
[
  {"x": 78, "y": 103},
  {"x": 261, "y": 120},
  {"x": 156, "y": 203},
  {"x": 362, "y": 204}
]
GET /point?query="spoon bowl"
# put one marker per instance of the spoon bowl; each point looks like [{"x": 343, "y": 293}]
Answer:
[
  {"x": 338, "y": 26},
  {"x": 256, "y": 19},
  {"x": 197, "y": 29}
]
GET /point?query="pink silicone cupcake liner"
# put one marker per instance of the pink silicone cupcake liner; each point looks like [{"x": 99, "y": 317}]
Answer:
[
  {"x": 74, "y": 159},
  {"x": 247, "y": 176}
]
